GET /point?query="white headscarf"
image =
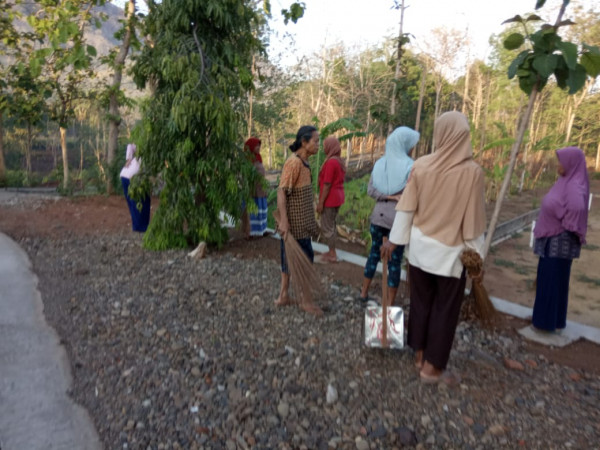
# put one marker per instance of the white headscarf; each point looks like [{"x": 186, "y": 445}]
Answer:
[{"x": 391, "y": 171}]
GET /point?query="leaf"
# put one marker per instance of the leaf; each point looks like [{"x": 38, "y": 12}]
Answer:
[
  {"x": 91, "y": 50},
  {"x": 545, "y": 64},
  {"x": 516, "y": 18},
  {"x": 576, "y": 79},
  {"x": 539, "y": 4},
  {"x": 514, "y": 65},
  {"x": 533, "y": 17},
  {"x": 526, "y": 83},
  {"x": 591, "y": 62},
  {"x": 569, "y": 51},
  {"x": 592, "y": 49},
  {"x": 514, "y": 41},
  {"x": 565, "y": 23}
]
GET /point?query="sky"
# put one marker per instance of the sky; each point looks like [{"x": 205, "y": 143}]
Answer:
[
  {"x": 361, "y": 22},
  {"x": 358, "y": 23}
]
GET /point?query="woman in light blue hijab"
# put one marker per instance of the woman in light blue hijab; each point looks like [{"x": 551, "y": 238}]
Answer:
[{"x": 388, "y": 179}]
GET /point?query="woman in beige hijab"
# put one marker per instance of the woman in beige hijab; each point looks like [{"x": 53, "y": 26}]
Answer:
[{"x": 441, "y": 212}]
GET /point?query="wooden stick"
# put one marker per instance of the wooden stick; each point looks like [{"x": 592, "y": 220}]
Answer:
[{"x": 384, "y": 303}]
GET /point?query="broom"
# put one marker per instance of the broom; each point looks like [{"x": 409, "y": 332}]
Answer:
[
  {"x": 304, "y": 280},
  {"x": 484, "y": 308}
]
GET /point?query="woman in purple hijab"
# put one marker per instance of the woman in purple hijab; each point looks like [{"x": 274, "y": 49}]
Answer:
[{"x": 559, "y": 234}]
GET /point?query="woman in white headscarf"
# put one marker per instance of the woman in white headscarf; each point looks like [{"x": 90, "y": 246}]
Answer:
[
  {"x": 139, "y": 218},
  {"x": 386, "y": 184},
  {"x": 441, "y": 213}
]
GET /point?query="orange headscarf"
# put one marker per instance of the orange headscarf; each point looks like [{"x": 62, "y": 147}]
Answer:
[{"x": 333, "y": 150}]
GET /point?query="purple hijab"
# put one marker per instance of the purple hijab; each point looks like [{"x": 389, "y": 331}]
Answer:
[{"x": 565, "y": 206}]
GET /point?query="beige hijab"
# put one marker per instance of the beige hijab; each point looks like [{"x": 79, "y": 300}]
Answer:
[{"x": 446, "y": 189}]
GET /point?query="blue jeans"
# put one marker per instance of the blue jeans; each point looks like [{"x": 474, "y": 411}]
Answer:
[{"x": 377, "y": 235}]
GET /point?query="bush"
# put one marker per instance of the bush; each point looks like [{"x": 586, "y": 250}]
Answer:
[
  {"x": 15, "y": 178},
  {"x": 357, "y": 208}
]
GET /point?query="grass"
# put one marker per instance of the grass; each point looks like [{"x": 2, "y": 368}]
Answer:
[
  {"x": 592, "y": 247},
  {"x": 586, "y": 279},
  {"x": 521, "y": 270},
  {"x": 504, "y": 263}
]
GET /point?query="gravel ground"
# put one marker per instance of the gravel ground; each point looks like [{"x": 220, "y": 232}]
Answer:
[{"x": 173, "y": 353}]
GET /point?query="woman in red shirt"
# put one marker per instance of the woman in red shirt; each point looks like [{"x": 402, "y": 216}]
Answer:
[{"x": 331, "y": 194}]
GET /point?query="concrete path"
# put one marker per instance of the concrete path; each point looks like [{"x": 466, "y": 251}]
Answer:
[{"x": 35, "y": 411}]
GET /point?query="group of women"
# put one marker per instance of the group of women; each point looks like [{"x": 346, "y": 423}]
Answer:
[{"x": 436, "y": 206}]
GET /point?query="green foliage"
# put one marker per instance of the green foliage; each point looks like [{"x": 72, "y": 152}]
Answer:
[
  {"x": 191, "y": 133},
  {"x": 295, "y": 12},
  {"x": 550, "y": 55},
  {"x": 358, "y": 206}
]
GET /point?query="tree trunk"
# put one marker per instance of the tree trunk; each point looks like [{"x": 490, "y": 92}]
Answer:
[
  {"x": 65, "y": 156},
  {"x": 576, "y": 103},
  {"x": 251, "y": 100},
  {"x": 421, "y": 96},
  {"x": 2, "y": 164},
  {"x": 113, "y": 108},
  {"x": 397, "y": 73},
  {"x": 270, "y": 144},
  {"x": 438, "y": 94},
  {"x": 482, "y": 138},
  {"x": 507, "y": 177},
  {"x": 348, "y": 152},
  {"x": 28, "y": 149},
  {"x": 466, "y": 92}
]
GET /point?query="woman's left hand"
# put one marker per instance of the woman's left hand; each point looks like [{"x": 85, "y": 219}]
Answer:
[
  {"x": 319, "y": 208},
  {"x": 387, "y": 248}
]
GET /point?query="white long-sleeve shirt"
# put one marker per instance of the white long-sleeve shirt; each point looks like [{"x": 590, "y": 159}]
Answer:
[{"x": 429, "y": 254}]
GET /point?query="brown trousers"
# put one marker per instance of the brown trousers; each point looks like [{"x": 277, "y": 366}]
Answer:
[{"x": 434, "y": 309}]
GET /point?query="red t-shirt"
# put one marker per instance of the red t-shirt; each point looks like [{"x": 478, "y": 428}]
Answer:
[{"x": 332, "y": 173}]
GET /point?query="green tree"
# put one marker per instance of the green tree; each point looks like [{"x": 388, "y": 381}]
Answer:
[
  {"x": 548, "y": 54},
  {"x": 64, "y": 63},
  {"x": 9, "y": 40},
  {"x": 114, "y": 95},
  {"x": 198, "y": 60},
  {"x": 27, "y": 105}
]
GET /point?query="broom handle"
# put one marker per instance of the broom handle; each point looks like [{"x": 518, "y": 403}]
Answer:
[{"x": 384, "y": 303}]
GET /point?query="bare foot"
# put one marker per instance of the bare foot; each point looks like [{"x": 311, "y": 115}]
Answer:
[
  {"x": 311, "y": 308},
  {"x": 283, "y": 301},
  {"x": 429, "y": 371},
  {"x": 419, "y": 359}
]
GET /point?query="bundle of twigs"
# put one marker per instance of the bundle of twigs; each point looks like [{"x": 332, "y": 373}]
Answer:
[
  {"x": 305, "y": 283},
  {"x": 484, "y": 308}
]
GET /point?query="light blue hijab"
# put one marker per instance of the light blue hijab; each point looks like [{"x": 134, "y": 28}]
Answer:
[{"x": 390, "y": 172}]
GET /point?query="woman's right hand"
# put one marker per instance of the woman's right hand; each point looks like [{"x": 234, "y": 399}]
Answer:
[{"x": 283, "y": 227}]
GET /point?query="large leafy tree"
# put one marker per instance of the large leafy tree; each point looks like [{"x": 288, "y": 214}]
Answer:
[
  {"x": 197, "y": 61},
  {"x": 64, "y": 63}
]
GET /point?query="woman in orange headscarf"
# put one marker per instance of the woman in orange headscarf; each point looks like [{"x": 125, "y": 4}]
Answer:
[
  {"x": 440, "y": 213},
  {"x": 331, "y": 194}
]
